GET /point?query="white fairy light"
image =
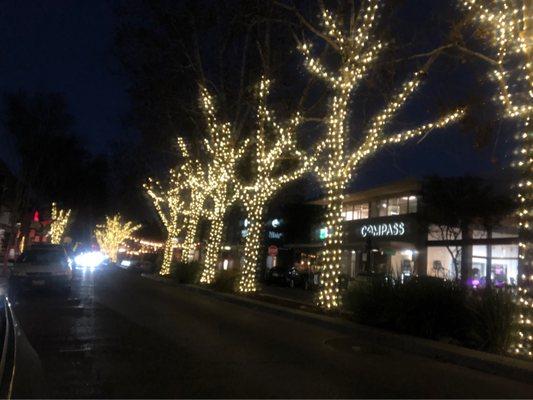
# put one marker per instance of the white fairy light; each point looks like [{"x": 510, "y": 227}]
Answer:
[{"x": 509, "y": 45}]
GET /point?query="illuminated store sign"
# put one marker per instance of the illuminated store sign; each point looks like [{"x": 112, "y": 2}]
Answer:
[{"x": 377, "y": 230}]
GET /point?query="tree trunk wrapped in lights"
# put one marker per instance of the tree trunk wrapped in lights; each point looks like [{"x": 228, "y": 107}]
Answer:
[
  {"x": 507, "y": 24},
  {"x": 197, "y": 187},
  {"x": 112, "y": 234},
  {"x": 224, "y": 153},
  {"x": 59, "y": 223},
  {"x": 358, "y": 50},
  {"x": 266, "y": 180},
  {"x": 170, "y": 207}
]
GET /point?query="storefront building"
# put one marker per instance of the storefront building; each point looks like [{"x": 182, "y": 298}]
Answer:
[{"x": 383, "y": 234}]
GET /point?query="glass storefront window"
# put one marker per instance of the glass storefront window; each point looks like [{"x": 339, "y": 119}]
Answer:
[
  {"x": 440, "y": 262},
  {"x": 479, "y": 250}
]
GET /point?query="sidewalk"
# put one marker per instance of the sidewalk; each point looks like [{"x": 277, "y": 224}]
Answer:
[{"x": 495, "y": 364}]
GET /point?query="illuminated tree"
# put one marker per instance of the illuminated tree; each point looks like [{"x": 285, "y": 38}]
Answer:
[
  {"x": 510, "y": 57},
  {"x": 267, "y": 179},
  {"x": 170, "y": 207},
  {"x": 196, "y": 184},
  {"x": 59, "y": 223},
  {"x": 224, "y": 152},
  {"x": 358, "y": 50},
  {"x": 112, "y": 234}
]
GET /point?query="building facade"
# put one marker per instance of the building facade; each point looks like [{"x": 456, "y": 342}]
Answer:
[{"x": 383, "y": 233}]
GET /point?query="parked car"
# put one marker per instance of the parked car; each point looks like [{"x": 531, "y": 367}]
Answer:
[
  {"x": 138, "y": 264},
  {"x": 292, "y": 277},
  {"x": 42, "y": 266},
  {"x": 279, "y": 275}
]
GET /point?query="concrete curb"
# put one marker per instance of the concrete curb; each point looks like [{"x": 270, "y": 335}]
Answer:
[{"x": 495, "y": 364}]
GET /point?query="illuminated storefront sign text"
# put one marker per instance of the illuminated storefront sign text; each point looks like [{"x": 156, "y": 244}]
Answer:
[{"x": 390, "y": 229}]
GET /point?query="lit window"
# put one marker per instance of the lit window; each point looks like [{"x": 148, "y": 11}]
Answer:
[
  {"x": 412, "y": 204},
  {"x": 394, "y": 206},
  {"x": 349, "y": 215}
]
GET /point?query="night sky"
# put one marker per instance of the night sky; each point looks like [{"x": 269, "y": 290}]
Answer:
[{"x": 67, "y": 46}]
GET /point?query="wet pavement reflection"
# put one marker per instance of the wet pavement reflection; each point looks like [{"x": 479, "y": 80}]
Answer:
[
  {"x": 86, "y": 349},
  {"x": 120, "y": 335}
]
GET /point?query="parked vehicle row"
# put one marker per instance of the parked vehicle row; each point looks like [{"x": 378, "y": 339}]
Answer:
[{"x": 292, "y": 277}]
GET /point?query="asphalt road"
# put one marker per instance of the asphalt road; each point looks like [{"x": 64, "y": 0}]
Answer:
[{"x": 121, "y": 335}]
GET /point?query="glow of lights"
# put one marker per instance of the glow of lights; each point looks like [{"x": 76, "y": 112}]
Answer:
[
  {"x": 112, "y": 234},
  {"x": 358, "y": 50},
  {"x": 59, "y": 223},
  {"x": 91, "y": 259},
  {"x": 510, "y": 54}
]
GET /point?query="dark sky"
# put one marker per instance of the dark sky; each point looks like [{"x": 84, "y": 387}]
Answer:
[{"x": 66, "y": 46}]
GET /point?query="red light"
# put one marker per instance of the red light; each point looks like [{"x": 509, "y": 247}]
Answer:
[{"x": 36, "y": 216}]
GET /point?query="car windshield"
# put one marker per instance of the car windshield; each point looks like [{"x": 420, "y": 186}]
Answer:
[{"x": 42, "y": 256}]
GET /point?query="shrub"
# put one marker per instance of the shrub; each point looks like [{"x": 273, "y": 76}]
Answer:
[
  {"x": 426, "y": 307},
  {"x": 432, "y": 308},
  {"x": 183, "y": 272},
  {"x": 492, "y": 316},
  {"x": 372, "y": 301},
  {"x": 226, "y": 280}
]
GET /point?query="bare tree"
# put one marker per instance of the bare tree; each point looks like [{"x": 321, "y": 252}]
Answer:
[{"x": 358, "y": 50}]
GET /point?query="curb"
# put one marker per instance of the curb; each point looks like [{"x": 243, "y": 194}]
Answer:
[{"x": 507, "y": 367}]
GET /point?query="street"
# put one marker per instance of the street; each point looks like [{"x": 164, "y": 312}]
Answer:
[{"x": 120, "y": 335}]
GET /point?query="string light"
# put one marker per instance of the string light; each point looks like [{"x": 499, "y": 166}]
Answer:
[
  {"x": 224, "y": 153},
  {"x": 266, "y": 182},
  {"x": 505, "y": 21},
  {"x": 358, "y": 50},
  {"x": 196, "y": 180},
  {"x": 59, "y": 223},
  {"x": 111, "y": 235},
  {"x": 170, "y": 207}
]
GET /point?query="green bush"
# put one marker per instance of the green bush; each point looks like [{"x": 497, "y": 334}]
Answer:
[
  {"x": 435, "y": 309},
  {"x": 432, "y": 308},
  {"x": 226, "y": 280},
  {"x": 372, "y": 301},
  {"x": 492, "y": 313},
  {"x": 183, "y": 272},
  {"x": 426, "y": 307}
]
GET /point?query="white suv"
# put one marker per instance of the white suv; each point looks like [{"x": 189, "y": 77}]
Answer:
[{"x": 42, "y": 266}]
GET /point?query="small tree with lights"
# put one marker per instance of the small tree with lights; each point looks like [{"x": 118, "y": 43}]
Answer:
[
  {"x": 112, "y": 234},
  {"x": 168, "y": 202},
  {"x": 268, "y": 152},
  {"x": 358, "y": 49},
  {"x": 60, "y": 219},
  {"x": 508, "y": 34}
]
